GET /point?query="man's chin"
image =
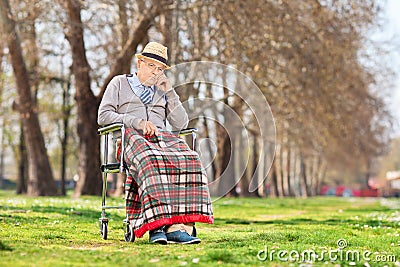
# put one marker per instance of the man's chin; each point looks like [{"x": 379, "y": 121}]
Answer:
[{"x": 150, "y": 82}]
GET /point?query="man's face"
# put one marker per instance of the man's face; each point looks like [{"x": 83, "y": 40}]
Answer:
[{"x": 148, "y": 71}]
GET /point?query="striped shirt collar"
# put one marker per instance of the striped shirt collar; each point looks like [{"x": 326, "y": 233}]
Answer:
[{"x": 135, "y": 84}]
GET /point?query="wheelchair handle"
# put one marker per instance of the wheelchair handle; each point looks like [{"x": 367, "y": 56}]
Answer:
[{"x": 110, "y": 128}]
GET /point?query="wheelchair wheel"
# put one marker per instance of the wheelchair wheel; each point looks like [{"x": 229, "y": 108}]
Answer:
[
  {"x": 129, "y": 233},
  {"x": 104, "y": 230}
]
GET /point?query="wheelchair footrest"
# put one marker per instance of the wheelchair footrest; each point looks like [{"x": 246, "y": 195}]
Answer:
[{"x": 110, "y": 167}]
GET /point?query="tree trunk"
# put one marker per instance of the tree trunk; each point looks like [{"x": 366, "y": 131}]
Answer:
[
  {"x": 66, "y": 110},
  {"x": 206, "y": 134},
  {"x": 274, "y": 181},
  {"x": 32, "y": 53},
  {"x": 238, "y": 156},
  {"x": 297, "y": 172},
  {"x": 120, "y": 184},
  {"x": 41, "y": 181},
  {"x": 89, "y": 182},
  {"x": 123, "y": 30},
  {"x": 321, "y": 175},
  {"x": 261, "y": 172},
  {"x": 289, "y": 172},
  {"x": 22, "y": 164},
  {"x": 309, "y": 175},
  {"x": 303, "y": 175},
  {"x": 278, "y": 170},
  {"x": 255, "y": 168},
  {"x": 225, "y": 172},
  {"x": 284, "y": 168},
  {"x": 168, "y": 30},
  {"x": 314, "y": 174}
]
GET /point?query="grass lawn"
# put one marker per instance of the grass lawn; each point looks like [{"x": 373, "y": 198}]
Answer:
[{"x": 60, "y": 231}]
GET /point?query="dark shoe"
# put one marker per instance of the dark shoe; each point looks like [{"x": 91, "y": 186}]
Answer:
[
  {"x": 158, "y": 236},
  {"x": 182, "y": 237}
]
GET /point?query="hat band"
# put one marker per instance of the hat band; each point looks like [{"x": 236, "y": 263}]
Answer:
[{"x": 154, "y": 56}]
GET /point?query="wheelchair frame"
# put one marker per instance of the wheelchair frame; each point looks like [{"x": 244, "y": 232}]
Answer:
[{"x": 119, "y": 167}]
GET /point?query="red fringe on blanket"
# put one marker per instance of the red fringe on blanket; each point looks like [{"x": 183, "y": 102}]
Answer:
[{"x": 173, "y": 220}]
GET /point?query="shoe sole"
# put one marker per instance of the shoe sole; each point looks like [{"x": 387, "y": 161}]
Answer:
[
  {"x": 185, "y": 243},
  {"x": 160, "y": 241}
]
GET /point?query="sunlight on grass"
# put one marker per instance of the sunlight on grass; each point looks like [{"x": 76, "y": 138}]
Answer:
[{"x": 60, "y": 231}]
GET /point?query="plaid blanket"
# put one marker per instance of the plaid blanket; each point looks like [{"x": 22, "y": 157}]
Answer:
[{"x": 166, "y": 183}]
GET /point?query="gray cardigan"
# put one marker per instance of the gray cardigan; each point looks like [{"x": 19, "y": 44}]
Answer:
[{"x": 121, "y": 104}]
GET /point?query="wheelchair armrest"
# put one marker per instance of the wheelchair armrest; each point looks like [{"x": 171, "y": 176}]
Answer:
[
  {"x": 118, "y": 125},
  {"x": 110, "y": 128},
  {"x": 186, "y": 131}
]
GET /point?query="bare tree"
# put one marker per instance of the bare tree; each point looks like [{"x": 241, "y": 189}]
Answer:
[
  {"x": 41, "y": 180},
  {"x": 87, "y": 103}
]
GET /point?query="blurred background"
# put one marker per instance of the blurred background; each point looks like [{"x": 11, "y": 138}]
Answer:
[{"x": 330, "y": 71}]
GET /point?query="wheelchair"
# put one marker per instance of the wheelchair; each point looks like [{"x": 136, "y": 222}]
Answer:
[{"x": 119, "y": 166}]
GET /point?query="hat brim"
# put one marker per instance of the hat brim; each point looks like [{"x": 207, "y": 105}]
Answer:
[{"x": 140, "y": 56}]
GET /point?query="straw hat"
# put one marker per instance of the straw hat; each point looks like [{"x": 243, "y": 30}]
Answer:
[{"x": 155, "y": 51}]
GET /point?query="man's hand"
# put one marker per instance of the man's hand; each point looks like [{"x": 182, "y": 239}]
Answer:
[
  {"x": 148, "y": 127},
  {"x": 163, "y": 83}
]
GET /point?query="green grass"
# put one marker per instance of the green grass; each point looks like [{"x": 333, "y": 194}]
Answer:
[{"x": 60, "y": 231}]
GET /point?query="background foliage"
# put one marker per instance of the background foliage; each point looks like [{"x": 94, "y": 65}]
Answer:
[{"x": 313, "y": 60}]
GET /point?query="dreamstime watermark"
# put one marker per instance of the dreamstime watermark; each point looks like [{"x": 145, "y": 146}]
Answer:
[
  {"x": 219, "y": 88},
  {"x": 220, "y": 98},
  {"x": 339, "y": 254}
]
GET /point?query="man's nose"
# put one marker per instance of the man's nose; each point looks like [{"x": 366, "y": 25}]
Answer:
[{"x": 156, "y": 71}]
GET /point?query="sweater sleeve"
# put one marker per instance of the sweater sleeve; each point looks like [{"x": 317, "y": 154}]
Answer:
[
  {"x": 176, "y": 114},
  {"x": 108, "y": 109}
]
